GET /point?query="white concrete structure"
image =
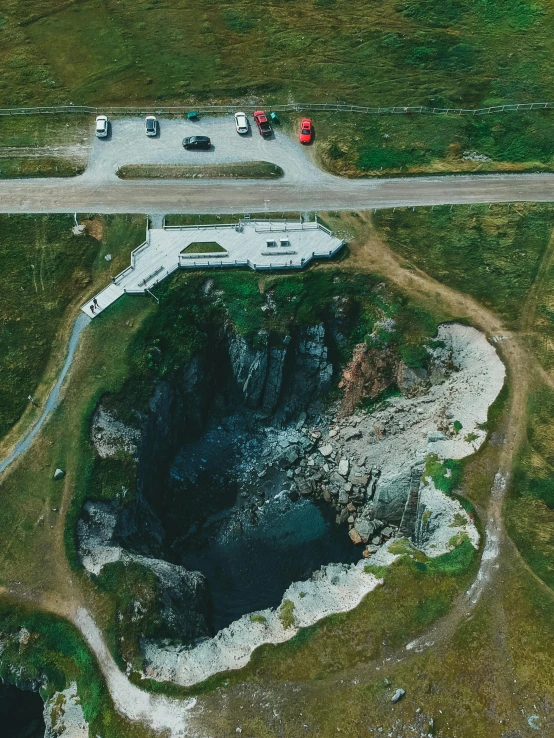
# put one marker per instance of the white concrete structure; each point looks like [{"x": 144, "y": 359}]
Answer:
[{"x": 258, "y": 244}]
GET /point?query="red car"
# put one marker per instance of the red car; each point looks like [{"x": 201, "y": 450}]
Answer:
[
  {"x": 264, "y": 126},
  {"x": 306, "y": 131}
]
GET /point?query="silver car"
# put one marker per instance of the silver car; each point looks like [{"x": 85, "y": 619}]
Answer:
[
  {"x": 102, "y": 126},
  {"x": 241, "y": 123},
  {"x": 151, "y": 125}
]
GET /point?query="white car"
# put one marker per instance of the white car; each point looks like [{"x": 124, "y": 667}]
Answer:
[
  {"x": 102, "y": 126},
  {"x": 151, "y": 125},
  {"x": 241, "y": 122}
]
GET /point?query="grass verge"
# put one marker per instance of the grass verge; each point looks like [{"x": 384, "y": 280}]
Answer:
[
  {"x": 239, "y": 170},
  {"x": 471, "y": 248},
  {"x": 39, "y": 166},
  {"x": 210, "y": 247}
]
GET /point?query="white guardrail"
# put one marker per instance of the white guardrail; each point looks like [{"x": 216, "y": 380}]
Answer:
[{"x": 180, "y": 110}]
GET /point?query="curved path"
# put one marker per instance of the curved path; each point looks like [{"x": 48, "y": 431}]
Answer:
[{"x": 53, "y": 398}]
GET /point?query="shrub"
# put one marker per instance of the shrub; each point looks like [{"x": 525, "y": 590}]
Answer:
[
  {"x": 257, "y": 618},
  {"x": 286, "y": 614}
]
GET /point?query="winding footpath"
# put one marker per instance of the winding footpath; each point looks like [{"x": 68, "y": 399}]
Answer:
[{"x": 53, "y": 398}]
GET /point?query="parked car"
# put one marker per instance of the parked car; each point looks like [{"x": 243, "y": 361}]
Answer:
[
  {"x": 241, "y": 123},
  {"x": 264, "y": 126},
  {"x": 151, "y": 125},
  {"x": 197, "y": 142},
  {"x": 306, "y": 131},
  {"x": 102, "y": 126}
]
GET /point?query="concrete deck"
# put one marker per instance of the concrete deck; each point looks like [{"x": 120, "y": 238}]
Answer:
[{"x": 245, "y": 244}]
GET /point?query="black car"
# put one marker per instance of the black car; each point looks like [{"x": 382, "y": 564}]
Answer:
[{"x": 197, "y": 142}]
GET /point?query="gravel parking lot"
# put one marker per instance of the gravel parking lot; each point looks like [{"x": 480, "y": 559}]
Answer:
[{"x": 128, "y": 144}]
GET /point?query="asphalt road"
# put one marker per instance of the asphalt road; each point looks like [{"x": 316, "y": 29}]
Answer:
[{"x": 304, "y": 186}]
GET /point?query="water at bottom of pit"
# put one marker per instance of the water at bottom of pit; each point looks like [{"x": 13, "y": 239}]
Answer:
[
  {"x": 21, "y": 713},
  {"x": 250, "y": 563}
]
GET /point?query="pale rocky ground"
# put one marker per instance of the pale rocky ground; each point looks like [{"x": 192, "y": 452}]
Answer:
[{"x": 63, "y": 715}]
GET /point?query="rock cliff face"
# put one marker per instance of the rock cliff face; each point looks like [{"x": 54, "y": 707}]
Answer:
[{"x": 290, "y": 375}]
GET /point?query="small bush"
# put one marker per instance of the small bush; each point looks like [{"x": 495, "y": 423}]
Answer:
[
  {"x": 257, "y": 618},
  {"x": 286, "y": 614}
]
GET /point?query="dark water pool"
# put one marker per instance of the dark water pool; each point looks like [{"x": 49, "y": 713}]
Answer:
[
  {"x": 249, "y": 566},
  {"x": 20, "y": 713}
]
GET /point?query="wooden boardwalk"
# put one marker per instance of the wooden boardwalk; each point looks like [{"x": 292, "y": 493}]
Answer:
[{"x": 264, "y": 245}]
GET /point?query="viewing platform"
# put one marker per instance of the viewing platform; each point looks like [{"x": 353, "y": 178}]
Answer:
[{"x": 258, "y": 244}]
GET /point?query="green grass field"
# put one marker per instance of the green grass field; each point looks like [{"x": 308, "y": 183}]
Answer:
[
  {"x": 419, "y": 51},
  {"x": 492, "y": 253},
  {"x": 46, "y": 270},
  {"x": 413, "y": 52}
]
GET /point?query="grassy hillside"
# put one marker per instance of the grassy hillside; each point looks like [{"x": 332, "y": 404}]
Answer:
[
  {"x": 45, "y": 269},
  {"x": 421, "y": 51}
]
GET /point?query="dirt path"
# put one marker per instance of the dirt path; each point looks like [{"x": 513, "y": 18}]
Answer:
[{"x": 375, "y": 256}]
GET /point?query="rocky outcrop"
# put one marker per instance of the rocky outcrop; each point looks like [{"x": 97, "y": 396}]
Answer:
[
  {"x": 290, "y": 375},
  {"x": 411, "y": 380},
  {"x": 249, "y": 366},
  {"x": 63, "y": 715},
  {"x": 274, "y": 378},
  {"x": 183, "y": 597},
  {"x": 409, "y": 520},
  {"x": 368, "y": 374}
]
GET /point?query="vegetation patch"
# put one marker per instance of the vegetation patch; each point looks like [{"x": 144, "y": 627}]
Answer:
[
  {"x": 257, "y": 618},
  {"x": 286, "y": 614},
  {"x": 210, "y": 247},
  {"x": 446, "y": 475},
  {"x": 471, "y": 247},
  {"x": 238, "y": 170},
  {"x": 38, "y": 166}
]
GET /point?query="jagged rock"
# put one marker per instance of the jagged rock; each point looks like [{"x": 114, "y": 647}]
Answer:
[
  {"x": 326, "y": 450},
  {"x": 365, "y": 529},
  {"x": 249, "y": 367},
  {"x": 354, "y": 535},
  {"x": 344, "y": 466},
  {"x": 436, "y": 435},
  {"x": 391, "y": 493},
  {"x": 350, "y": 434},
  {"x": 358, "y": 477},
  {"x": 305, "y": 487},
  {"x": 274, "y": 379},
  {"x": 387, "y": 532},
  {"x": 343, "y": 497},
  {"x": 397, "y": 696},
  {"x": 409, "y": 380},
  {"x": 59, "y": 474},
  {"x": 289, "y": 457}
]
